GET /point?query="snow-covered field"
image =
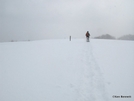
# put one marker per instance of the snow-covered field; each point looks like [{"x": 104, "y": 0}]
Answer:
[{"x": 63, "y": 70}]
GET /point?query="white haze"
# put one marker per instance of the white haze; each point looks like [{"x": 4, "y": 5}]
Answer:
[{"x": 41, "y": 19}]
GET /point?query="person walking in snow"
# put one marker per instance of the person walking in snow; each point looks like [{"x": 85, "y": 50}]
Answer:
[{"x": 87, "y": 36}]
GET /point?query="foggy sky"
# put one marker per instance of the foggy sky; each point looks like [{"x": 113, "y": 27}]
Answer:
[{"x": 43, "y": 19}]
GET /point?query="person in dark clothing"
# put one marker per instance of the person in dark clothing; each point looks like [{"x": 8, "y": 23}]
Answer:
[{"x": 87, "y": 36}]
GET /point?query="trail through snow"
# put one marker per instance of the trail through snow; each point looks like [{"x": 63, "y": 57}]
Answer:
[{"x": 92, "y": 86}]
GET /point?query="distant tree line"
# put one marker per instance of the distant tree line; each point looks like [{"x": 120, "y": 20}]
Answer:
[
  {"x": 17, "y": 41},
  {"x": 107, "y": 36},
  {"x": 127, "y": 37}
]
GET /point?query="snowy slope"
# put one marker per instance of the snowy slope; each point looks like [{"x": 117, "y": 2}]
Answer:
[
  {"x": 116, "y": 60},
  {"x": 62, "y": 70}
]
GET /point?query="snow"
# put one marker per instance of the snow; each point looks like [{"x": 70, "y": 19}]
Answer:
[
  {"x": 63, "y": 70},
  {"x": 117, "y": 65}
]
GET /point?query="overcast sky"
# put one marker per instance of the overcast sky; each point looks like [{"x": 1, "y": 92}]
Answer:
[{"x": 41, "y": 19}]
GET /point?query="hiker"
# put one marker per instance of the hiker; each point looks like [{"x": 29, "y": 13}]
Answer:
[{"x": 87, "y": 36}]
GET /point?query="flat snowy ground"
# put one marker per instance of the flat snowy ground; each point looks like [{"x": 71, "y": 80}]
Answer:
[{"x": 62, "y": 70}]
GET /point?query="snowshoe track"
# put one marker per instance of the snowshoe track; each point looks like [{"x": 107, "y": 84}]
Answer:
[{"x": 92, "y": 86}]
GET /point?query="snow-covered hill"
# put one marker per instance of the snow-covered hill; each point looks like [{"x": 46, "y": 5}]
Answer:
[{"x": 63, "y": 70}]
